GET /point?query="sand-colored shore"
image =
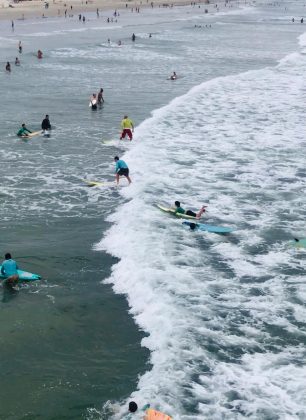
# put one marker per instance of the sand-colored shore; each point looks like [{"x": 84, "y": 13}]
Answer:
[{"x": 36, "y": 8}]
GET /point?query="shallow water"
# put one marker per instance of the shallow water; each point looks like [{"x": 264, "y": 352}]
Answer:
[{"x": 223, "y": 316}]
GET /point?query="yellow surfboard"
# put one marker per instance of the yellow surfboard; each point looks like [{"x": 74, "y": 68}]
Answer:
[
  {"x": 100, "y": 183},
  {"x": 156, "y": 415}
]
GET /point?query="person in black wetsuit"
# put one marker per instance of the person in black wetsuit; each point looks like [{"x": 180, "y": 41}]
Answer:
[{"x": 45, "y": 125}]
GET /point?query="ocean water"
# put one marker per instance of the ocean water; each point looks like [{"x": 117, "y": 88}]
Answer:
[{"x": 132, "y": 304}]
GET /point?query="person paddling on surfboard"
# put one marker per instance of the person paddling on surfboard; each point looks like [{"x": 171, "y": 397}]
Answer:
[
  {"x": 9, "y": 270},
  {"x": 127, "y": 128},
  {"x": 23, "y": 132},
  {"x": 179, "y": 209},
  {"x": 121, "y": 169}
]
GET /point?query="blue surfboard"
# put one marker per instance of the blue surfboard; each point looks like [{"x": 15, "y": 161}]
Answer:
[
  {"x": 208, "y": 228},
  {"x": 23, "y": 275}
]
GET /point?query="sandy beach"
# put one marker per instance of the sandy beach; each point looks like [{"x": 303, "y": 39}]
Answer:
[{"x": 30, "y": 9}]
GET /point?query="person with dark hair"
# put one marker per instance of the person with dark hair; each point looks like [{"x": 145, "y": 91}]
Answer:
[
  {"x": 45, "y": 125},
  {"x": 8, "y": 67},
  {"x": 23, "y": 132},
  {"x": 132, "y": 407},
  {"x": 9, "y": 270},
  {"x": 100, "y": 97},
  {"x": 179, "y": 209},
  {"x": 121, "y": 169}
]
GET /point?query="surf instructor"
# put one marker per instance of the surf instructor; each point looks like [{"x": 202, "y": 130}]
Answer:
[
  {"x": 45, "y": 125},
  {"x": 23, "y": 132},
  {"x": 121, "y": 170}
]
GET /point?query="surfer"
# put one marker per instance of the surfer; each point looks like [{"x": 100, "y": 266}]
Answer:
[
  {"x": 17, "y": 62},
  {"x": 179, "y": 209},
  {"x": 45, "y": 125},
  {"x": 173, "y": 76},
  {"x": 127, "y": 128},
  {"x": 93, "y": 101},
  {"x": 39, "y": 54},
  {"x": 9, "y": 269},
  {"x": 23, "y": 132},
  {"x": 100, "y": 97},
  {"x": 121, "y": 169},
  {"x": 8, "y": 67}
]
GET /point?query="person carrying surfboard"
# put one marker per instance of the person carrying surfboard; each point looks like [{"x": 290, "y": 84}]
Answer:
[
  {"x": 127, "y": 128},
  {"x": 23, "y": 132},
  {"x": 9, "y": 269},
  {"x": 121, "y": 169},
  {"x": 93, "y": 101},
  {"x": 179, "y": 209}
]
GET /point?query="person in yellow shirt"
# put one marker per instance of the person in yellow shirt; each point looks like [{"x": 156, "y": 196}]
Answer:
[{"x": 127, "y": 128}]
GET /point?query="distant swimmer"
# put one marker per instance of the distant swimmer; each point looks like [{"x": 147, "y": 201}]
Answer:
[
  {"x": 133, "y": 37},
  {"x": 119, "y": 43},
  {"x": 121, "y": 169},
  {"x": 302, "y": 20},
  {"x": 9, "y": 270},
  {"x": 179, "y": 209},
  {"x": 45, "y": 125},
  {"x": 100, "y": 97},
  {"x": 173, "y": 76},
  {"x": 39, "y": 54},
  {"x": 19, "y": 47},
  {"x": 93, "y": 101},
  {"x": 127, "y": 128},
  {"x": 23, "y": 132},
  {"x": 17, "y": 61},
  {"x": 8, "y": 67},
  {"x": 150, "y": 35}
]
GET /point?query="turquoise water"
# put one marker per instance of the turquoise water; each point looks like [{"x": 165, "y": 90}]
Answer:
[{"x": 200, "y": 326}]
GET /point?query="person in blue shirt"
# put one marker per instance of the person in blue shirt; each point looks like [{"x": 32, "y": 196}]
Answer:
[
  {"x": 121, "y": 169},
  {"x": 9, "y": 270}
]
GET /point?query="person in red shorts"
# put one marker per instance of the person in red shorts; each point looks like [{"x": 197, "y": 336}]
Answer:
[{"x": 127, "y": 128}]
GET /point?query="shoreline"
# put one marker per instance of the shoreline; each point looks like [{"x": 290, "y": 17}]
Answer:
[{"x": 36, "y": 8}]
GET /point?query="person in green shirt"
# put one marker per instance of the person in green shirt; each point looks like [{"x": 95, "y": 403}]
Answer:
[
  {"x": 23, "y": 132},
  {"x": 179, "y": 209}
]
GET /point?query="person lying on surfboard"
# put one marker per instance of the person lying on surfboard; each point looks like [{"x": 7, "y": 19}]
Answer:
[
  {"x": 150, "y": 413},
  {"x": 179, "y": 209},
  {"x": 23, "y": 132}
]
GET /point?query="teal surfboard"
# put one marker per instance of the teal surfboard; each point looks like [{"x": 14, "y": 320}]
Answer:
[
  {"x": 208, "y": 228},
  {"x": 299, "y": 243},
  {"x": 23, "y": 275}
]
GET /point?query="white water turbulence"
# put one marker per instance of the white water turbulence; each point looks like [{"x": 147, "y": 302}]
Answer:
[{"x": 225, "y": 316}]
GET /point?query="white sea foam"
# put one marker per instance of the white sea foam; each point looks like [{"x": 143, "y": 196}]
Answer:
[{"x": 217, "y": 311}]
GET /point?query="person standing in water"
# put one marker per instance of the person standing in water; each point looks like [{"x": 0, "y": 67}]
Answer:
[
  {"x": 133, "y": 37},
  {"x": 8, "y": 67},
  {"x": 173, "y": 76},
  {"x": 9, "y": 270},
  {"x": 127, "y": 128},
  {"x": 100, "y": 97},
  {"x": 19, "y": 47},
  {"x": 93, "y": 101},
  {"x": 39, "y": 54},
  {"x": 121, "y": 170},
  {"x": 17, "y": 61},
  {"x": 45, "y": 125}
]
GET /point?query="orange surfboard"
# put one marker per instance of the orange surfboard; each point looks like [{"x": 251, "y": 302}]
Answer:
[{"x": 156, "y": 415}]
